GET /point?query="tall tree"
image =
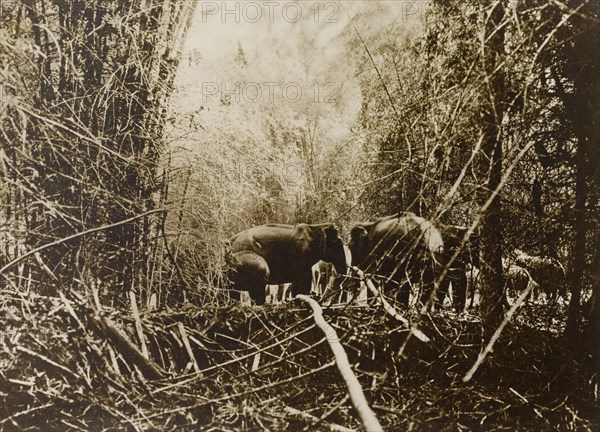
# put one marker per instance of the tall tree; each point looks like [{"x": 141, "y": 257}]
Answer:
[
  {"x": 581, "y": 97},
  {"x": 490, "y": 166}
]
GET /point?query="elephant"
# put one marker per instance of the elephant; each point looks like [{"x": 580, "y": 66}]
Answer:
[
  {"x": 467, "y": 253},
  {"x": 325, "y": 276},
  {"x": 547, "y": 272},
  {"x": 402, "y": 249},
  {"x": 516, "y": 280},
  {"x": 277, "y": 254}
]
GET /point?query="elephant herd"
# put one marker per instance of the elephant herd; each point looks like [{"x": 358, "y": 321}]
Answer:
[{"x": 403, "y": 254}]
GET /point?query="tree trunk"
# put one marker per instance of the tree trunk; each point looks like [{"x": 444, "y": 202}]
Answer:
[
  {"x": 593, "y": 341},
  {"x": 582, "y": 106},
  {"x": 490, "y": 169},
  {"x": 580, "y": 249}
]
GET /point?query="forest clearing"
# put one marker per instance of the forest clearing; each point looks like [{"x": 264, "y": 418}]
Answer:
[{"x": 325, "y": 215}]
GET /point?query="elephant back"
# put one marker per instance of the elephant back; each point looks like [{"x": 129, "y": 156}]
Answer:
[
  {"x": 546, "y": 271},
  {"x": 428, "y": 235},
  {"x": 393, "y": 238},
  {"x": 289, "y": 250}
]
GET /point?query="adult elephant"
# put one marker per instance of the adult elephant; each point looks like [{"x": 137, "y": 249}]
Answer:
[
  {"x": 278, "y": 254},
  {"x": 467, "y": 252},
  {"x": 401, "y": 250}
]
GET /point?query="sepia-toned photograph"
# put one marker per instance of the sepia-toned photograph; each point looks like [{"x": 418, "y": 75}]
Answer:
[{"x": 300, "y": 215}]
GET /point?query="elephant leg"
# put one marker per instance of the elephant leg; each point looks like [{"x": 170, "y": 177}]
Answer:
[
  {"x": 443, "y": 290},
  {"x": 472, "y": 283},
  {"x": 251, "y": 273},
  {"x": 302, "y": 284},
  {"x": 316, "y": 280},
  {"x": 403, "y": 296},
  {"x": 459, "y": 290},
  {"x": 550, "y": 293},
  {"x": 256, "y": 289},
  {"x": 428, "y": 289},
  {"x": 534, "y": 295},
  {"x": 403, "y": 288}
]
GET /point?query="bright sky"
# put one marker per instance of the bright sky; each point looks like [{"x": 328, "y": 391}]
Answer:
[{"x": 219, "y": 26}]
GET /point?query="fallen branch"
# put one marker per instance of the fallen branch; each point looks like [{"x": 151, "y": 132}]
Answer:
[
  {"x": 188, "y": 347},
  {"x": 357, "y": 396},
  {"x": 483, "y": 354},
  {"x": 69, "y": 309},
  {"x": 243, "y": 393},
  {"x": 203, "y": 372},
  {"x": 25, "y": 412},
  {"x": 309, "y": 417},
  {"x": 131, "y": 353},
  {"x": 47, "y": 361},
  {"x": 138, "y": 323}
]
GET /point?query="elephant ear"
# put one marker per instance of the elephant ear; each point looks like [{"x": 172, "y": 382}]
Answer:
[
  {"x": 324, "y": 236},
  {"x": 320, "y": 238},
  {"x": 331, "y": 233},
  {"x": 358, "y": 232}
]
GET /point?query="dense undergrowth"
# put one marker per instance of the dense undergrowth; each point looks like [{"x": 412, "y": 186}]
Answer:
[{"x": 270, "y": 368}]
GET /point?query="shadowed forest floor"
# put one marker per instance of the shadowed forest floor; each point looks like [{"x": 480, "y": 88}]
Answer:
[{"x": 270, "y": 368}]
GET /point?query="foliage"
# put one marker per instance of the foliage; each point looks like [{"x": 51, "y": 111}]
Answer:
[
  {"x": 425, "y": 88},
  {"x": 82, "y": 127},
  {"x": 244, "y": 151}
]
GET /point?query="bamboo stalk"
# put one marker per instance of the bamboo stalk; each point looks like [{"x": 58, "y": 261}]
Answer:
[
  {"x": 188, "y": 347},
  {"x": 47, "y": 361},
  {"x": 306, "y": 416},
  {"x": 138, "y": 323},
  {"x": 129, "y": 351},
  {"x": 355, "y": 390}
]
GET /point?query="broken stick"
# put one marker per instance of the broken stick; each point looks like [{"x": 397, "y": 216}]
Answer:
[
  {"x": 357, "y": 396},
  {"x": 390, "y": 309}
]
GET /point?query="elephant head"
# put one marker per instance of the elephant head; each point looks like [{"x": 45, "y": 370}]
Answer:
[
  {"x": 464, "y": 253},
  {"x": 454, "y": 240},
  {"x": 334, "y": 251},
  {"x": 548, "y": 272},
  {"x": 359, "y": 244}
]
